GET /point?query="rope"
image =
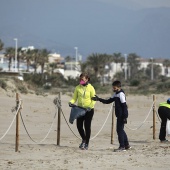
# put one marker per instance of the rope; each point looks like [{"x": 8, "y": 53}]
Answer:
[
  {"x": 158, "y": 117},
  {"x": 103, "y": 123},
  {"x": 19, "y": 107},
  {"x": 57, "y": 102},
  {"x": 46, "y": 134},
  {"x": 143, "y": 121}
]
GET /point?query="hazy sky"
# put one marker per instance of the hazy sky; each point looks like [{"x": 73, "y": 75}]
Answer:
[
  {"x": 103, "y": 26},
  {"x": 144, "y": 3}
]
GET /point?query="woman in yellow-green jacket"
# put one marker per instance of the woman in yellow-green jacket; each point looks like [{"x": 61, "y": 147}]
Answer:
[{"x": 82, "y": 95}]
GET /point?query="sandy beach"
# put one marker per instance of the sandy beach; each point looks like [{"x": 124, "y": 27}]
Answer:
[{"x": 38, "y": 113}]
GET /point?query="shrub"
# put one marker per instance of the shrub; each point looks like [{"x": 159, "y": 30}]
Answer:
[
  {"x": 134, "y": 82},
  {"x": 3, "y": 84},
  {"x": 22, "y": 89}
]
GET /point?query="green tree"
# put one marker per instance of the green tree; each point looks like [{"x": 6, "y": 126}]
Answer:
[{"x": 156, "y": 71}]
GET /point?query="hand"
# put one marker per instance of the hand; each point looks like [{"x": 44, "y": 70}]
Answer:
[
  {"x": 125, "y": 121},
  {"x": 88, "y": 109},
  {"x": 95, "y": 98},
  {"x": 70, "y": 104}
]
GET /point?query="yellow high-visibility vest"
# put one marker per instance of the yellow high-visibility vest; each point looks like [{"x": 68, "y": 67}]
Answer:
[{"x": 165, "y": 104}]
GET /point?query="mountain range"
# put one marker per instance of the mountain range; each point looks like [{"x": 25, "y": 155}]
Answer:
[{"x": 94, "y": 26}]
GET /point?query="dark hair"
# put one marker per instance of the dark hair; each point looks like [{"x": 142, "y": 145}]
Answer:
[
  {"x": 85, "y": 75},
  {"x": 168, "y": 101},
  {"x": 116, "y": 83}
]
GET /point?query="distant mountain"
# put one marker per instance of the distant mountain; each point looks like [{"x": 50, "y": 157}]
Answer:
[{"x": 92, "y": 25}]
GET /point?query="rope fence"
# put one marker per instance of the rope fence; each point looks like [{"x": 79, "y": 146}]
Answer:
[
  {"x": 58, "y": 108},
  {"x": 143, "y": 121},
  {"x": 12, "y": 120},
  {"x": 38, "y": 142}
]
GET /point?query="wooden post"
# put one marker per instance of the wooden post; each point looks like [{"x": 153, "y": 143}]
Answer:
[
  {"x": 59, "y": 120},
  {"x": 154, "y": 127},
  {"x": 17, "y": 124},
  {"x": 112, "y": 127}
]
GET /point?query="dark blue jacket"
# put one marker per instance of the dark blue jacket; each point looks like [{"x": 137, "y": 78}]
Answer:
[{"x": 119, "y": 98}]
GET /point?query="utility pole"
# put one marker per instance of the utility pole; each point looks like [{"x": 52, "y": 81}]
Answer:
[
  {"x": 151, "y": 68},
  {"x": 125, "y": 66},
  {"x": 16, "y": 44},
  {"x": 76, "y": 48}
]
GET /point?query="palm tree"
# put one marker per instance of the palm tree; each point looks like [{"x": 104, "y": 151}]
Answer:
[
  {"x": 28, "y": 56},
  {"x": 118, "y": 58},
  {"x": 166, "y": 63},
  {"x": 1, "y": 45},
  {"x": 10, "y": 53},
  {"x": 52, "y": 66},
  {"x": 97, "y": 62},
  {"x": 43, "y": 58},
  {"x": 35, "y": 57},
  {"x": 134, "y": 63}
]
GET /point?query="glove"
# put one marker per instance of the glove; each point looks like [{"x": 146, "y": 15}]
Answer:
[
  {"x": 88, "y": 109},
  {"x": 125, "y": 121},
  {"x": 95, "y": 98},
  {"x": 70, "y": 104}
]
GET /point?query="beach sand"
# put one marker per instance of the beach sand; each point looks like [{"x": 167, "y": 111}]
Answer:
[{"x": 38, "y": 113}]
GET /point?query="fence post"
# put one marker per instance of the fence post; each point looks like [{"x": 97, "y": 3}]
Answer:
[
  {"x": 112, "y": 127},
  {"x": 17, "y": 124},
  {"x": 59, "y": 120},
  {"x": 154, "y": 127}
]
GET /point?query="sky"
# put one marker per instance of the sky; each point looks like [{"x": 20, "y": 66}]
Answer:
[{"x": 94, "y": 26}]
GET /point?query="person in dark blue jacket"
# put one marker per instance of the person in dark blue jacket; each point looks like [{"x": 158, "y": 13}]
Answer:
[{"x": 121, "y": 112}]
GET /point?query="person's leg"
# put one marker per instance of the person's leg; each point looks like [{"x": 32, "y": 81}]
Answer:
[
  {"x": 126, "y": 142},
  {"x": 122, "y": 137},
  {"x": 162, "y": 115},
  {"x": 87, "y": 124},
  {"x": 80, "y": 127}
]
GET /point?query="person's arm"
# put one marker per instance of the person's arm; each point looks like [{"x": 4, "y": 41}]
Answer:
[
  {"x": 92, "y": 93},
  {"x": 124, "y": 105},
  {"x": 75, "y": 95},
  {"x": 104, "y": 101},
  {"x": 125, "y": 110}
]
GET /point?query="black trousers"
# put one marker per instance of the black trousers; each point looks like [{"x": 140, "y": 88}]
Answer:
[
  {"x": 164, "y": 114},
  {"x": 85, "y": 131},
  {"x": 122, "y": 137}
]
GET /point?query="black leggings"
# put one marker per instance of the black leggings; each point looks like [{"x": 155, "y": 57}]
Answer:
[{"x": 85, "y": 134}]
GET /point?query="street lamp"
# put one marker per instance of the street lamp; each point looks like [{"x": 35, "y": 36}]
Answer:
[
  {"x": 125, "y": 66},
  {"x": 76, "y": 48},
  {"x": 151, "y": 68},
  {"x": 16, "y": 41}
]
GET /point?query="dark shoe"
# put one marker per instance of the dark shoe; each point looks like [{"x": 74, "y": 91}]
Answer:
[
  {"x": 120, "y": 149},
  {"x": 82, "y": 145},
  {"x": 86, "y": 146},
  {"x": 128, "y": 147},
  {"x": 164, "y": 141}
]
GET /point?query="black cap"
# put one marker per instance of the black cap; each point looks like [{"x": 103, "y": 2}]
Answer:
[{"x": 168, "y": 101}]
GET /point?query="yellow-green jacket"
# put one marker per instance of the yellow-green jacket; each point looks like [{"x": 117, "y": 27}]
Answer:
[
  {"x": 165, "y": 104},
  {"x": 82, "y": 95}
]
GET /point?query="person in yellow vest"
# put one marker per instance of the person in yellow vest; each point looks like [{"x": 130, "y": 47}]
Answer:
[
  {"x": 164, "y": 114},
  {"x": 82, "y": 95}
]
